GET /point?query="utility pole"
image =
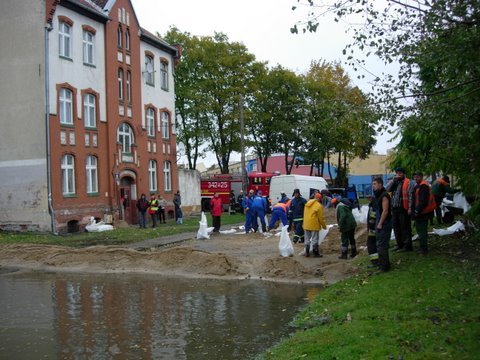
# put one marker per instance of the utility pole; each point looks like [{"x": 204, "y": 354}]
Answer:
[{"x": 242, "y": 144}]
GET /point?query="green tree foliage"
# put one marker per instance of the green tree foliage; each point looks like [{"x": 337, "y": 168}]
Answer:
[{"x": 435, "y": 98}]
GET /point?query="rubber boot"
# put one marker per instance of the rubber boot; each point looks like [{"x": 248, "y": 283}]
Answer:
[
  {"x": 344, "y": 253},
  {"x": 307, "y": 251},
  {"x": 315, "y": 251},
  {"x": 354, "y": 252}
]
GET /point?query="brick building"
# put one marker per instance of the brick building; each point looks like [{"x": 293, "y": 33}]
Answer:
[{"x": 88, "y": 113}]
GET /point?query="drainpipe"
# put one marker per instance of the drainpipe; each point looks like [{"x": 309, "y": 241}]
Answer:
[{"x": 48, "y": 28}]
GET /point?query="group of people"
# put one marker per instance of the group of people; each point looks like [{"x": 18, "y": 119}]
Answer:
[
  {"x": 155, "y": 207},
  {"x": 395, "y": 206}
]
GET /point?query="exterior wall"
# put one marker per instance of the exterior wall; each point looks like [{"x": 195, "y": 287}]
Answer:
[
  {"x": 78, "y": 140},
  {"x": 189, "y": 186},
  {"x": 23, "y": 189}
]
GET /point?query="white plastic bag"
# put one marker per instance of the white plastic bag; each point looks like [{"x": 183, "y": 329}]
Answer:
[
  {"x": 323, "y": 233},
  {"x": 285, "y": 244},
  {"x": 458, "y": 226},
  {"x": 202, "y": 232},
  {"x": 360, "y": 215}
]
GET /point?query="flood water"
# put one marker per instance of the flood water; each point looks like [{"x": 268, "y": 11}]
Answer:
[{"x": 118, "y": 316}]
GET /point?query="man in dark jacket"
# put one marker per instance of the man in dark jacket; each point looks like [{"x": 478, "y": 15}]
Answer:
[
  {"x": 142, "y": 206},
  {"x": 439, "y": 189},
  {"x": 383, "y": 223},
  {"x": 297, "y": 207},
  {"x": 424, "y": 206},
  {"x": 347, "y": 225}
]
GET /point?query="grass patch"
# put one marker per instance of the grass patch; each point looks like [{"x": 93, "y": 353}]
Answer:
[
  {"x": 427, "y": 307},
  {"x": 118, "y": 236}
]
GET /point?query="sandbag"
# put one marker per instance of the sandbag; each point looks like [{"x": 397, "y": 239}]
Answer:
[
  {"x": 285, "y": 244},
  {"x": 202, "y": 232}
]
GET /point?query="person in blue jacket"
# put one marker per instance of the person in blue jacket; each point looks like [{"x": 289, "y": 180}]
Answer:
[
  {"x": 296, "y": 212},
  {"x": 259, "y": 207},
  {"x": 247, "y": 204}
]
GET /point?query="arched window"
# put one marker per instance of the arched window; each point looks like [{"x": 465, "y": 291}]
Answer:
[
  {"x": 66, "y": 106},
  {"x": 88, "y": 47},
  {"x": 64, "y": 40},
  {"x": 164, "y": 75},
  {"x": 167, "y": 176},
  {"x": 89, "y": 110},
  {"x": 129, "y": 87},
  {"x": 149, "y": 70},
  {"x": 68, "y": 175},
  {"x": 119, "y": 37},
  {"x": 152, "y": 176},
  {"x": 150, "y": 120},
  {"x": 120, "y": 84},
  {"x": 127, "y": 40},
  {"x": 165, "y": 125},
  {"x": 125, "y": 137},
  {"x": 92, "y": 174}
]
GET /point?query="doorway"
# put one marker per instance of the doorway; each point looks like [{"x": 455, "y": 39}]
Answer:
[{"x": 128, "y": 199}]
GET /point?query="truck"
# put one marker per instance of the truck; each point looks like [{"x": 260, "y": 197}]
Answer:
[
  {"x": 226, "y": 185},
  {"x": 287, "y": 183},
  {"x": 260, "y": 181}
]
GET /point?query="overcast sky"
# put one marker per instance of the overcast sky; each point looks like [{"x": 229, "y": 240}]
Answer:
[{"x": 263, "y": 26}]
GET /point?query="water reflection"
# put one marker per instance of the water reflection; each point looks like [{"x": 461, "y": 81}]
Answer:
[{"x": 70, "y": 316}]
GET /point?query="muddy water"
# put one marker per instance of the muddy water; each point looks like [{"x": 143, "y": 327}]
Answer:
[{"x": 72, "y": 316}]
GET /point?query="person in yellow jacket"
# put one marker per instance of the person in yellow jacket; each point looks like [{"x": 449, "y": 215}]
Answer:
[{"x": 313, "y": 222}]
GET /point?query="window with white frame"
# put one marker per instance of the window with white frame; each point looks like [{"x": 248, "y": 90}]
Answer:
[
  {"x": 64, "y": 40},
  {"x": 165, "y": 125},
  {"x": 150, "y": 115},
  {"x": 68, "y": 175},
  {"x": 66, "y": 106},
  {"x": 164, "y": 75},
  {"x": 152, "y": 176},
  {"x": 149, "y": 70},
  {"x": 92, "y": 174},
  {"x": 89, "y": 110},
  {"x": 125, "y": 137},
  {"x": 120, "y": 84},
  {"x": 127, "y": 40},
  {"x": 88, "y": 47},
  {"x": 119, "y": 37},
  {"x": 129, "y": 87},
  {"x": 167, "y": 176}
]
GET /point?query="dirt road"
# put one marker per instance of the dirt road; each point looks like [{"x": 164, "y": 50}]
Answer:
[{"x": 228, "y": 256}]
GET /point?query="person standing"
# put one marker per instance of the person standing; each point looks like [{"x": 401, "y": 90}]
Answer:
[
  {"x": 297, "y": 207},
  {"x": 313, "y": 222},
  {"x": 371, "y": 226},
  {"x": 284, "y": 198},
  {"x": 177, "y": 202},
  {"x": 162, "y": 204},
  {"x": 153, "y": 210},
  {"x": 423, "y": 210},
  {"x": 247, "y": 209},
  {"x": 383, "y": 223},
  {"x": 216, "y": 208},
  {"x": 402, "y": 201},
  {"x": 439, "y": 189},
  {"x": 142, "y": 206},
  {"x": 347, "y": 225}
]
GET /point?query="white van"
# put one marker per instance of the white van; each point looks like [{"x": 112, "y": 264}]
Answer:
[{"x": 287, "y": 183}]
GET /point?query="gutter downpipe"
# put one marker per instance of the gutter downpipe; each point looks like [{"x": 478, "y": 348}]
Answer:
[{"x": 48, "y": 28}]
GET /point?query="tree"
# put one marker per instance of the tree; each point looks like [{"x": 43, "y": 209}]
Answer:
[{"x": 434, "y": 100}]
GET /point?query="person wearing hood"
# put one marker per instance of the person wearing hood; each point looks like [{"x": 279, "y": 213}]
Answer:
[
  {"x": 346, "y": 224},
  {"x": 313, "y": 222}
]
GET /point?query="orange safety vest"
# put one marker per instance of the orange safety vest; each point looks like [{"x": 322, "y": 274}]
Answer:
[
  {"x": 431, "y": 200},
  {"x": 405, "y": 186},
  {"x": 283, "y": 206}
]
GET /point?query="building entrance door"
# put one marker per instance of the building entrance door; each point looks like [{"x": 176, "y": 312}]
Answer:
[{"x": 128, "y": 200}]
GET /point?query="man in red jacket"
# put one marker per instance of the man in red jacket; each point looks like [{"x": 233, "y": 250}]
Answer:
[{"x": 216, "y": 208}]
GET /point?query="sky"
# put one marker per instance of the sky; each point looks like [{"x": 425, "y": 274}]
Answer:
[{"x": 263, "y": 26}]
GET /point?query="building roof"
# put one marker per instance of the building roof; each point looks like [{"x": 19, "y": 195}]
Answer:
[
  {"x": 156, "y": 41},
  {"x": 88, "y": 8}
]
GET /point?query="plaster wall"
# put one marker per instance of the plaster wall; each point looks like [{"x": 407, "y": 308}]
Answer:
[{"x": 189, "y": 186}]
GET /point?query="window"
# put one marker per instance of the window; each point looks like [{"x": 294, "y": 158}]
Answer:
[
  {"x": 92, "y": 177},
  {"x": 120, "y": 84},
  {"x": 88, "y": 46},
  {"x": 125, "y": 137},
  {"x": 149, "y": 70},
  {"x": 129, "y": 87},
  {"x": 165, "y": 125},
  {"x": 164, "y": 75},
  {"x": 152, "y": 175},
  {"x": 150, "y": 114},
  {"x": 68, "y": 175},
  {"x": 66, "y": 108},
  {"x": 89, "y": 111},
  {"x": 167, "y": 176},
  {"x": 127, "y": 40},
  {"x": 64, "y": 40},
  {"x": 119, "y": 37}
]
